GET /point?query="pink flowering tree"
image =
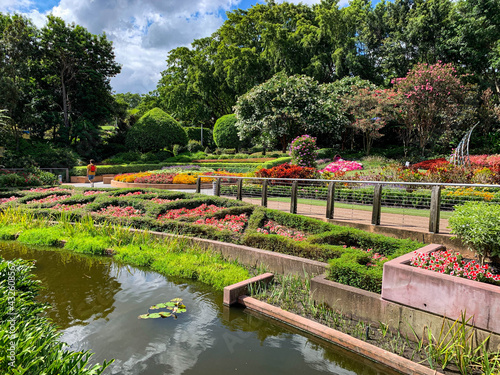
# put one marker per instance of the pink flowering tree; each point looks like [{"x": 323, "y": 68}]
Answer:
[
  {"x": 430, "y": 95},
  {"x": 304, "y": 151},
  {"x": 369, "y": 109}
]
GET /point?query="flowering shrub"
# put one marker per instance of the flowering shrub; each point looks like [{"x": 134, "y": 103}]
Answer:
[
  {"x": 157, "y": 178},
  {"x": 431, "y": 163},
  {"x": 376, "y": 257},
  {"x": 272, "y": 227},
  {"x": 453, "y": 264},
  {"x": 5, "y": 200},
  {"x": 304, "y": 151},
  {"x": 46, "y": 190},
  {"x": 131, "y": 194},
  {"x": 485, "y": 160},
  {"x": 471, "y": 192},
  {"x": 162, "y": 200},
  {"x": 49, "y": 199},
  {"x": 287, "y": 171},
  {"x": 68, "y": 207},
  {"x": 130, "y": 177},
  {"x": 234, "y": 223},
  {"x": 202, "y": 210},
  {"x": 93, "y": 192},
  {"x": 118, "y": 211},
  {"x": 342, "y": 166}
]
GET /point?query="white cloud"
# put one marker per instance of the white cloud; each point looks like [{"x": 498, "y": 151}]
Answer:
[{"x": 142, "y": 31}]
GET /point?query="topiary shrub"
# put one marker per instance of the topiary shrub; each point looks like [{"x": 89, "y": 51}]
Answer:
[
  {"x": 155, "y": 131},
  {"x": 477, "y": 224},
  {"x": 225, "y": 132}
]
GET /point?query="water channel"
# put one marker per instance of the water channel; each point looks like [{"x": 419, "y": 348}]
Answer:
[{"x": 96, "y": 301}]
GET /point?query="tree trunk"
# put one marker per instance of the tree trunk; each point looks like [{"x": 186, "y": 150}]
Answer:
[{"x": 65, "y": 101}]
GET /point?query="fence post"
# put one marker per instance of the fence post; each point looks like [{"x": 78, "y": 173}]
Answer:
[
  {"x": 239, "y": 193},
  {"x": 217, "y": 187},
  {"x": 198, "y": 185},
  {"x": 293, "y": 201},
  {"x": 435, "y": 209},
  {"x": 330, "y": 200},
  {"x": 377, "y": 204},
  {"x": 263, "y": 202}
]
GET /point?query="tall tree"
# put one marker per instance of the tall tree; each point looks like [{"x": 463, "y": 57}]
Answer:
[{"x": 78, "y": 66}]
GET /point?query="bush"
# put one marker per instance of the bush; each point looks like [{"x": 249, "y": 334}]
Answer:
[
  {"x": 195, "y": 134},
  {"x": 477, "y": 224},
  {"x": 287, "y": 171},
  {"x": 154, "y": 131},
  {"x": 225, "y": 132},
  {"x": 303, "y": 151},
  {"x": 194, "y": 146}
]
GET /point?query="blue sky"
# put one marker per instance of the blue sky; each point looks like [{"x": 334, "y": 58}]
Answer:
[{"x": 142, "y": 31}]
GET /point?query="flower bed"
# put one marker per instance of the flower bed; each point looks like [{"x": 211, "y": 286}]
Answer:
[
  {"x": 117, "y": 211},
  {"x": 453, "y": 264},
  {"x": 440, "y": 293},
  {"x": 201, "y": 210},
  {"x": 342, "y": 166},
  {"x": 10, "y": 199},
  {"x": 234, "y": 223},
  {"x": 68, "y": 207},
  {"x": 93, "y": 192},
  {"x": 272, "y": 227},
  {"x": 50, "y": 199}
]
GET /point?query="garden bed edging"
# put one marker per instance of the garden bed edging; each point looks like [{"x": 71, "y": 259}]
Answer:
[{"x": 119, "y": 184}]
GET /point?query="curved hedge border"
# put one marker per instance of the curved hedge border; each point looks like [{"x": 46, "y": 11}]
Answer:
[{"x": 324, "y": 241}]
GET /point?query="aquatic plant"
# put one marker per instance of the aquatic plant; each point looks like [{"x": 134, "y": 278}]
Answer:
[{"x": 175, "y": 306}]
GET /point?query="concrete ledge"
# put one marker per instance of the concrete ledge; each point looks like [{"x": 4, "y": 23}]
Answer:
[
  {"x": 360, "y": 347},
  {"x": 369, "y": 307},
  {"x": 119, "y": 184},
  {"x": 441, "y": 294},
  {"x": 232, "y": 292},
  {"x": 107, "y": 180},
  {"x": 83, "y": 179}
]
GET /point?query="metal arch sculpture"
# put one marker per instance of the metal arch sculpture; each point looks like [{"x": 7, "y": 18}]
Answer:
[{"x": 461, "y": 154}]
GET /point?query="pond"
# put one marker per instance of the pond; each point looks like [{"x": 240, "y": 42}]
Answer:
[{"x": 96, "y": 303}]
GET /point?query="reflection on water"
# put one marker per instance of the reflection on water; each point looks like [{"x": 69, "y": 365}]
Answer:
[{"x": 97, "y": 302}]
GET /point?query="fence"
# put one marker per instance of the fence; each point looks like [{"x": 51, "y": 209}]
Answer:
[{"x": 403, "y": 204}]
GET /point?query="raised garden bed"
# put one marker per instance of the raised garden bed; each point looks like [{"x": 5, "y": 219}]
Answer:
[
  {"x": 441, "y": 294},
  {"x": 119, "y": 184}
]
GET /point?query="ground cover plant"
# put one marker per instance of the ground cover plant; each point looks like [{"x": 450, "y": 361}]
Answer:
[
  {"x": 38, "y": 349},
  {"x": 356, "y": 257}
]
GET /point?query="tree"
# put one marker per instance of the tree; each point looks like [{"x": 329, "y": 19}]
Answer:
[
  {"x": 77, "y": 67},
  {"x": 155, "y": 131},
  {"x": 370, "y": 109},
  {"x": 283, "y": 108},
  {"x": 225, "y": 132},
  {"x": 430, "y": 95}
]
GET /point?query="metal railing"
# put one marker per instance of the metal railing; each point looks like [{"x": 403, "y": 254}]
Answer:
[{"x": 427, "y": 198}]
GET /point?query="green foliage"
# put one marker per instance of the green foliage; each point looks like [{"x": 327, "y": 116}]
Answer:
[
  {"x": 478, "y": 225},
  {"x": 88, "y": 244},
  {"x": 225, "y": 132},
  {"x": 37, "y": 346},
  {"x": 50, "y": 236},
  {"x": 299, "y": 106},
  {"x": 154, "y": 131},
  {"x": 194, "y": 133},
  {"x": 194, "y": 146},
  {"x": 175, "y": 306}
]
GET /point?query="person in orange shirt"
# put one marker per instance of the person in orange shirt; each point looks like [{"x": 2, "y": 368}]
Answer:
[{"x": 91, "y": 168}]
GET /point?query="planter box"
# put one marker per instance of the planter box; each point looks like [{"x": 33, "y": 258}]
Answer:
[
  {"x": 441, "y": 294},
  {"x": 83, "y": 179}
]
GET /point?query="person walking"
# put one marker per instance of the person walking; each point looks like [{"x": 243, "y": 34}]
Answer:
[{"x": 91, "y": 168}]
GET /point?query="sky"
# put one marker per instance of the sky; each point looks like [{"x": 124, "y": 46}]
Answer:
[{"x": 142, "y": 31}]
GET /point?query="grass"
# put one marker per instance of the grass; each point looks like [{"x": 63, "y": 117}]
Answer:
[
  {"x": 172, "y": 257},
  {"x": 388, "y": 210}
]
